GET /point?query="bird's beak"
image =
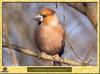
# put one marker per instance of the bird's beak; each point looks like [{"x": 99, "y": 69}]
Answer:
[{"x": 38, "y": 18}]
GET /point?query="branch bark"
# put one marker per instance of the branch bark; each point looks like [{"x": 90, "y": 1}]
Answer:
[{"x": 40, "y": 56}]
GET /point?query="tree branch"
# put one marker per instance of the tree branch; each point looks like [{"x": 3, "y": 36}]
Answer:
[
  {"x": 35, "y": 54},
  {"x": 88, "y": 9}
]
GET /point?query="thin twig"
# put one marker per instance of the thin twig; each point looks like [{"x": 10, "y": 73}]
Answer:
[
  {"x": 86, "y": 57},
  {"x": 74, "y": 50},
  {"x": 35, "y": 54}
]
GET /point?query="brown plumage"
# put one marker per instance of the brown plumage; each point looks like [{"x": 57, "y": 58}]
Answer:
[{"x": 49, "y": 34}]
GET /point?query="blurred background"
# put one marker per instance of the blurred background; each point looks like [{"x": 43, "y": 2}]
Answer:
[{"x": 78, "y": 19}]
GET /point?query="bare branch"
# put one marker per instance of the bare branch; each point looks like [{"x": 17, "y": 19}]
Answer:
[
  {"x": 78, "y": 6},
  {"x": 88, "y": 9},
  {"x": 87, "y": 55},
  {"x": 73, "y": 50},
  {"x": 35, "y": 54}
]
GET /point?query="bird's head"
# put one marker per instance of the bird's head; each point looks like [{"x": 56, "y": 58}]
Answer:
[
  {"x": 46, "y": 12},
  {"x": 46, "y": 15}
]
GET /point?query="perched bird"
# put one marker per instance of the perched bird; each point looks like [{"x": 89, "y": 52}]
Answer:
[{"x": 49, "y": 34}]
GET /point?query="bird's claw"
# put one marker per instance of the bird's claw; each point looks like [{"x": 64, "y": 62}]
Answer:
[
  {"x": 43, "y": 54},
  {"x": 56, "y": 57}
]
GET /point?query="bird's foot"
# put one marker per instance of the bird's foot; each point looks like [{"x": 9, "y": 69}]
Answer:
[
  {"x": 56, "y": 57},
  {"x": 43, "y": 54}
]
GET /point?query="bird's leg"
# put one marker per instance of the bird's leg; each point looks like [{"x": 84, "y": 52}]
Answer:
[{"x": 56, "y": 57}]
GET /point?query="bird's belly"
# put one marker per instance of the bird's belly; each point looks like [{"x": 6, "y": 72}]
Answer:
[{"x": 49, "y": 41}]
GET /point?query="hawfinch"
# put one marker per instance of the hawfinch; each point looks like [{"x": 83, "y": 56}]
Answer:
[{"x": 49, "y": 34}]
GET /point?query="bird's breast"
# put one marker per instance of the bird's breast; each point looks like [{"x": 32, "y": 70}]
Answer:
[{"x": 49, "y": 39}]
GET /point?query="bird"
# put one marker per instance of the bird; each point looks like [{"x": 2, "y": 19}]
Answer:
[{"x": 49, "y": 34}]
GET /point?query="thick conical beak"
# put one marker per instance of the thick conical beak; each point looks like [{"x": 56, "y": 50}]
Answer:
[{"x": 38, "y": 18}]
